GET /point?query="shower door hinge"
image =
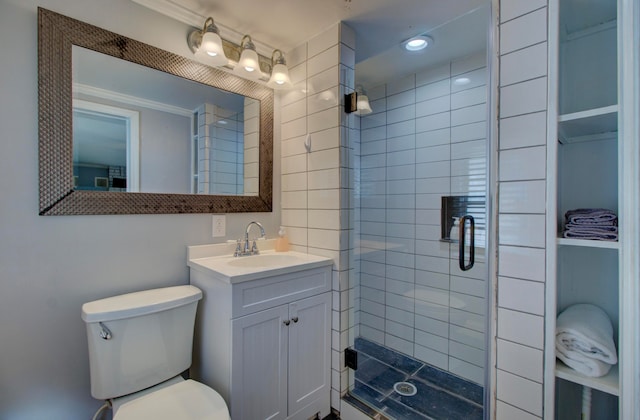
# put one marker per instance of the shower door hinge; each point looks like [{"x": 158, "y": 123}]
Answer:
[{"x": 351, "y": 358}]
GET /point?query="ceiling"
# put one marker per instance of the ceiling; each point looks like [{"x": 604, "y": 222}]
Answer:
[
  {"x": 592, "y": 13},
  {"x": 380, "y": 25}
]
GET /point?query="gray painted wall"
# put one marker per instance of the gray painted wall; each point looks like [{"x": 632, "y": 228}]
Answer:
[{"x": 49, "y": 266}]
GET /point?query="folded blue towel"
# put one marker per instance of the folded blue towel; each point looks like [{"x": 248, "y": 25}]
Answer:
[
  {"x": 591, "y": 227},
  {"x": 591, "y": 216},
  {"x": 607, "y": 233},
  {"x": 595, "y": 224}
]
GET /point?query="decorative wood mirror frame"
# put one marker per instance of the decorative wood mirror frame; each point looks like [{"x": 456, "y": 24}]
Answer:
[{"x": 56, "y": 36}]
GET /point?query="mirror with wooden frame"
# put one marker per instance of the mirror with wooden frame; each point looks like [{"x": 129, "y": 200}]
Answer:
[{"x": 60, "y": 194}]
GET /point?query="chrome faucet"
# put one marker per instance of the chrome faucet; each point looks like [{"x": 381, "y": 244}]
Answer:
[{"x": 250, "y": 249}]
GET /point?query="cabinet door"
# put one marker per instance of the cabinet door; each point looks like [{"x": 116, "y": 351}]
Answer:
[
  {"x": 309, "y": 350},
  {"x": 259, "y": 365}
]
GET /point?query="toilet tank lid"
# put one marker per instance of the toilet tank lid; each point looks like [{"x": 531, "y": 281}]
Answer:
[{"x": 139, "y": 303}]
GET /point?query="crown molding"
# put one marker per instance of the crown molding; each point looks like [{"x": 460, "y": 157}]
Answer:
[
  {"x": 182, "y": 14},
  {"x": 130, "y": 100}
]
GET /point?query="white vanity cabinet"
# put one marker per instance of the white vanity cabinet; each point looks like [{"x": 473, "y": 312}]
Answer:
[{"x": 265, "y": 344}]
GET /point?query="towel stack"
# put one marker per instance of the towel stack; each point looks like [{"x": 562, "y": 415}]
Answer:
[
  {"x": 584, "y": 340},
  {"x": 594, "y": 224}
]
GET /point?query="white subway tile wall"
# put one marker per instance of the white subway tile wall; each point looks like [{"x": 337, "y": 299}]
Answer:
[
  {"x": 251, "y": 149},
  {"x": 205, "y": 116},
  {"x": 521, "y": 209},
  {"x": 316, "y": 189},
  {"x": 425, "y": 138},
  {"x": 409, "y": 142}
]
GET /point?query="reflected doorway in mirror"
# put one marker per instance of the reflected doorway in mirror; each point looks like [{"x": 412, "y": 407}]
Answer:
[{"x": 106, "y": 143}]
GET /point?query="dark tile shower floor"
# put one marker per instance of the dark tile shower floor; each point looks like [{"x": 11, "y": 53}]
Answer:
[{"x": 440, "y": 395}]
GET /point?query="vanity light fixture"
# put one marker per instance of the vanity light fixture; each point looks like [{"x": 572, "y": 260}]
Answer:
[
  {"x": 417, "y": 43},
  {"x": 363, "y": 106},
  {"x": 208, "y": 41},
  {"x": 279, "y": 72},
  {"x": 248, "y": 66}
]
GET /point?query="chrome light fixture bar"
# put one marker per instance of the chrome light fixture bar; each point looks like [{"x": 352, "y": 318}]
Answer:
[{"x": 243, "y": 59}]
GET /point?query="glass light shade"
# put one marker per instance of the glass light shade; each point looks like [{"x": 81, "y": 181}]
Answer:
[
  {"x": 248, "y": 65},
  {"x": 362, "y": 105},
  {"x": 212, "y": 46},
  {"x": 279, "y": 77}
]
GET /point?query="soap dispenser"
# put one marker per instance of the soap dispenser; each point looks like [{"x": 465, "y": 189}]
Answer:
[
  {"x": 282, "y": 243},
  {"x": 455, "y": 229}
]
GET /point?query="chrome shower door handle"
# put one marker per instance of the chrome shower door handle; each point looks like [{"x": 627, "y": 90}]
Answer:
[{"x": 472, "y": 244}]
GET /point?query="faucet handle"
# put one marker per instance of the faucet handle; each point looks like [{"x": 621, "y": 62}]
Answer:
[
  {"x": 254, "y": 248},
  {"x": 238, "y": 251}
]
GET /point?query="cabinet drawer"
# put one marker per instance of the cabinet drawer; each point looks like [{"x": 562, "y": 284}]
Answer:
[{"x": 252, "y": 296}]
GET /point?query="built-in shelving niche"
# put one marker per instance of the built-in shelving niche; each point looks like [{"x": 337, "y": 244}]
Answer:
[{"x": 587, "y": 177}]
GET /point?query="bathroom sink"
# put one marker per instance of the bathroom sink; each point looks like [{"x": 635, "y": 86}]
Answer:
[
  {"x": 269, "y": 263},
  {"x": 266, "y": 260}
]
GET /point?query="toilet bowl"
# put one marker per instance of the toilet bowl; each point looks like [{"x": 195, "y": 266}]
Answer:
[
  {"x": 139, "y": 344},
  {"x": 183, "y": 399}
]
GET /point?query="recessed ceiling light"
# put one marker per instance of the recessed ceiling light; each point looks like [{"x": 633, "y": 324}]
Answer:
[{"x": 417, "y": 43}]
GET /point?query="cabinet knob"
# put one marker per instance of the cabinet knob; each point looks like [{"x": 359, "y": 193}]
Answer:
[
  {"x": 286, "y": 322},
  {"x": 294, "y": 319}
]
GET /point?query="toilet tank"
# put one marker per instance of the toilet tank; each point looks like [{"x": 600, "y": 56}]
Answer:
[{"x": 139, "y": 339}]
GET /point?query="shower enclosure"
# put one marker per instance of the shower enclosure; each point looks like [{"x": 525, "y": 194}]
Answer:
[{"x": 421, "y": 230}]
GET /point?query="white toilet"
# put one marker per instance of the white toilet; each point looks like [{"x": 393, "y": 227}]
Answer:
[{"x": 139, "y": 344}]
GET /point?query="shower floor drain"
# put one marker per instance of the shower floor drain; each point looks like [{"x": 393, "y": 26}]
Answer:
[{"x": 405, "y": 389}]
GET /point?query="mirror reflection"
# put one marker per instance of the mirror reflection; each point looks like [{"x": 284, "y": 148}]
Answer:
[{"x": 136, "y": 129}]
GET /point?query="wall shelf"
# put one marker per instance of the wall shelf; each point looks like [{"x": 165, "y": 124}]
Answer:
[
  {"x": 589, "y": 243},
  {"x": 589, "y": 125},
  {"x": 608, "y": 383},
  {"x": 584, "y": 172}
]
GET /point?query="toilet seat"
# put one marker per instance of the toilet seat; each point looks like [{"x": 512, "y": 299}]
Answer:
[{"x": 184, "y": 400}]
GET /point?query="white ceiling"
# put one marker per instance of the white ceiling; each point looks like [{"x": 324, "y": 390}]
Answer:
[
  {"x": 592, "y": 13},
  {"x": 380, "y": 25}
]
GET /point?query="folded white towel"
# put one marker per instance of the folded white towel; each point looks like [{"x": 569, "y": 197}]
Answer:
[
  {"x": 584, "y": 340},
  {"x": 585, "y": 365}
]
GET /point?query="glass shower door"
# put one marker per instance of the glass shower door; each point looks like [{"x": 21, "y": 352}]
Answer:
[{"x": 421, "y": 302}]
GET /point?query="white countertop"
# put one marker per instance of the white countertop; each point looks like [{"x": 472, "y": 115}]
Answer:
[{"x": 268, "y": 263}]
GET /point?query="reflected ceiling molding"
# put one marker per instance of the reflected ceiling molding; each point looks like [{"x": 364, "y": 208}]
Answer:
[{"x": 131, "y": 100}]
